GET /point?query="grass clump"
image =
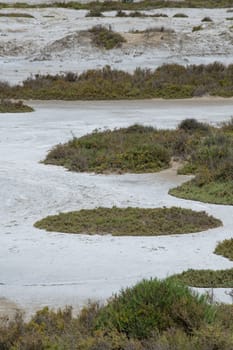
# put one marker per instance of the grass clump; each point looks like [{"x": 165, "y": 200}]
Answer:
[
  {"x": 207, "y": 278},
  {"x": 225, "y": 249},
  {"x": 197, "y": 28},
  {"x": 16, "y": 15},
  {"x": 180, "y": 15},
  {"x": 130, "y": 221},
  {"x": 207, "y": 19},
  {"x": 7, "y": 106},
  {"x": 106, "y": 38}
]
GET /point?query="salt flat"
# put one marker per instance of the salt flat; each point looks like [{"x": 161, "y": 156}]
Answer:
[{"x": 40, "y": 268}]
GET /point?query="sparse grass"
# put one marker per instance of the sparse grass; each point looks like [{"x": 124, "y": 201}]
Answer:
[
  {"x": 7, "y": 106},
  {"x": 229, "y": 18},
  {"x": 106, "y": 38},
  {"x": 17, "y": 15},
  {"x": 206, "y": 278},
  {"x": 167, "y": 81},
  {"x": 180, "y": 15},
  {"x": 225, "y": 249},
  {"x": 129, "y": 221},
  {"x": 121, "y": 13}
]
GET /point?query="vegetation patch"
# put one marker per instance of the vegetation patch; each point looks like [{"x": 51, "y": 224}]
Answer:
[
  {"x": 129, "y": 221},
  {"x": 7, "y": 106},
  {"x": 212, "y": 192},
  {"x": 136, "y": 149},
  {"x": 94, "y": 13},
  {"x": 121, "y": 13},
  {"x": 212, "y": 162},
  {"x": 180, "y": 15},
  {"x": 167, "y": 81},
  {"x": 225, "y": 249},
  {"x": 207, "y": 19},
  {"x": 206, "y": 278},
  {"x": 13, "y": 14},
  {"x": 197, "y": 28},
  {"x": 106, "y": 38},
  {"x": 126, "y": 5}
]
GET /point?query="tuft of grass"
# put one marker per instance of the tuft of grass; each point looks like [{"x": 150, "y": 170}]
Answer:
[
  {"x": 206, "y": 278},
  {"x": 180, "y": 15},
  {"x": 229, "y": 18},
  {"x": 225, "y": 249},
  {"x": 7, "y": 106},
  {"x": 129, "y": 221},
  {"x": 106, "y": 38},
  {"x": 207, "y": 19}
]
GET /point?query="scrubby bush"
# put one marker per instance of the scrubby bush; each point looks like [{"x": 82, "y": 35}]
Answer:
[
  {"x": 155, "y": 306},
  {"x": 106, "y": 38}
]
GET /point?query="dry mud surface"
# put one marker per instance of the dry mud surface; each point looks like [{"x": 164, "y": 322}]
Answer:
[
  {"x": 56, "y": 41},
  {"x": 40, "y": 268}
]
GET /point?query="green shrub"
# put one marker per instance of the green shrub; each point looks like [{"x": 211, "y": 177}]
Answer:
[
  {"x": 106, "y": 38},
  {"x": 193, "y": 125},
  {"x": 154, "y": 306}
]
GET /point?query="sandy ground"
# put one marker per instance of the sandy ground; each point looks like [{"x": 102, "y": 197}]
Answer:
[
  {"x": 39, "y": 268},
  {"x": 56, "y": 41}
]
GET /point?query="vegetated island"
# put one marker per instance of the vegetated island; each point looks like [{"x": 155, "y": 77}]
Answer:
[
  {"x": 7, "y": 106},
  {"x": 205, "y": 151},
  {"x": 225, "y": 249},
  {"x": 167, "y": 81},
  {"x": 211, "y": 278},
  {"x": 153, "y": 314},
  {"x": 130, "y": 221},
  {"x": 212, "y": 162}
]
